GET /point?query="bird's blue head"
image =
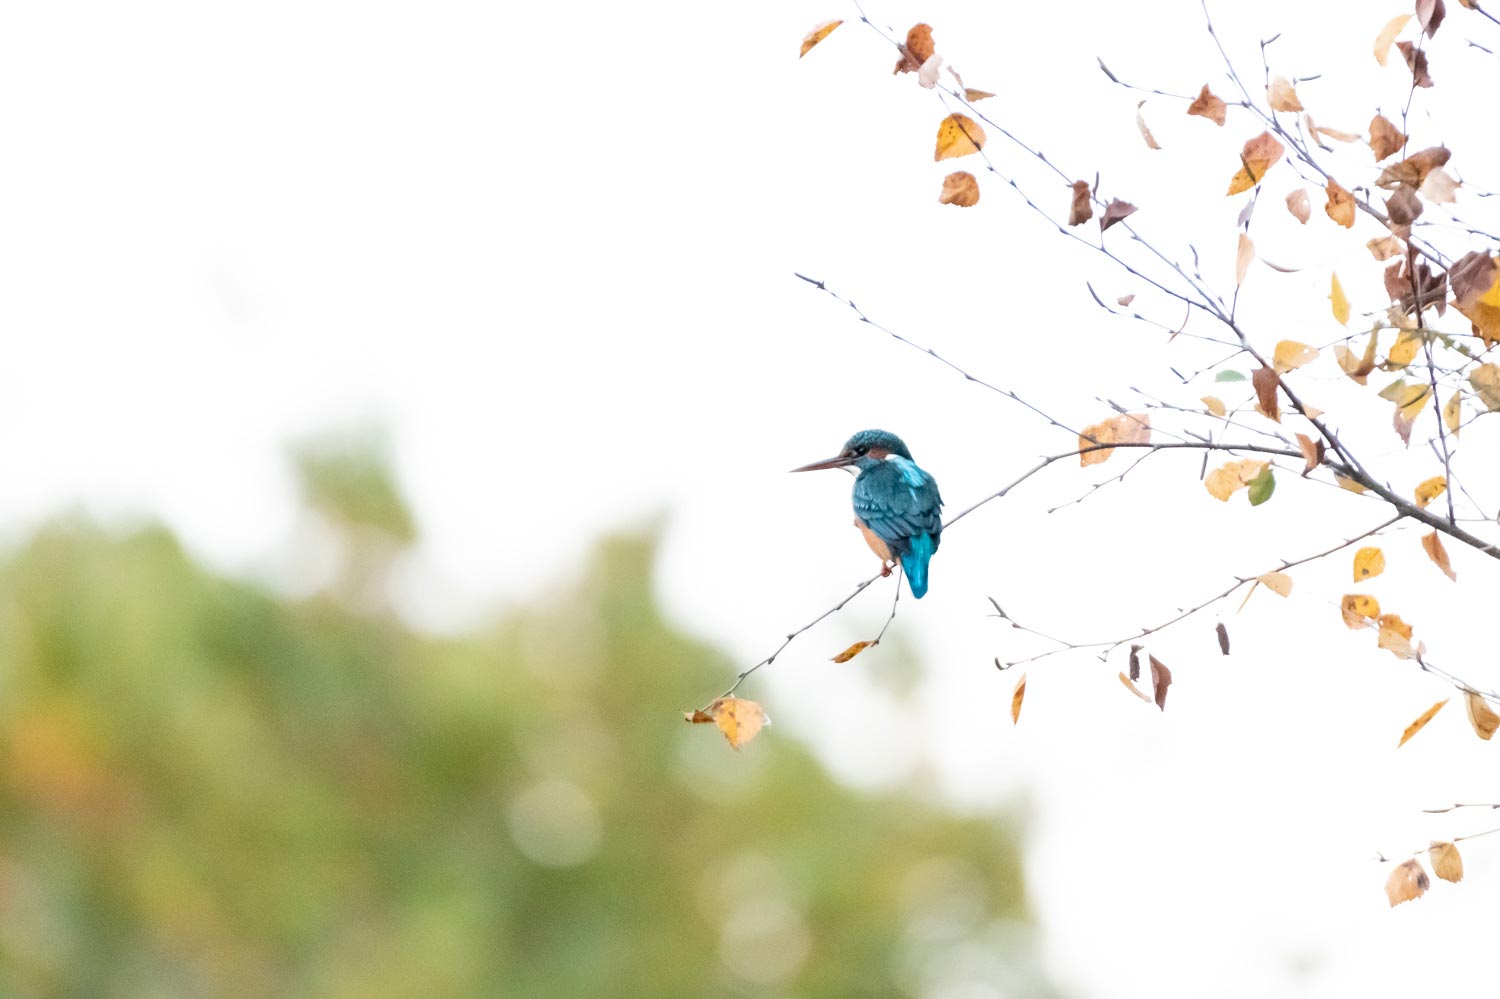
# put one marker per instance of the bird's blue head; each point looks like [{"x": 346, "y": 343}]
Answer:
[{"x": 863, "y": 450}]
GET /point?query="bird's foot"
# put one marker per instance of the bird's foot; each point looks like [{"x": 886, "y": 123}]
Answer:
[{"x": 886, "y": 568}]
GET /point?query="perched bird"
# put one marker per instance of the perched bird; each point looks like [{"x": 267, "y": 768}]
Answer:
[{"x": 896, "y": 503}]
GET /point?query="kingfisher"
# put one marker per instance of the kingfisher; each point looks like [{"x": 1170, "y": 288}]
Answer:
[{"x": 897, "y": 506}]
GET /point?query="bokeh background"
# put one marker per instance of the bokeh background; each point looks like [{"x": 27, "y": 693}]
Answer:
[{"x": 394, "y": 422}]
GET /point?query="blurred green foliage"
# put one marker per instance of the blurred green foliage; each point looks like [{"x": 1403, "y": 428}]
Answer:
[{"x": 212, "y": 790}]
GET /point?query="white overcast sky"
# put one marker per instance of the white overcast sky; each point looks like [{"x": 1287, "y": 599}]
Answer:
[{"x": 551, "y": 248}]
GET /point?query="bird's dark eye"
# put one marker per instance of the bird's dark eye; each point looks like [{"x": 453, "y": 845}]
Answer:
[{"x": 861, "y": 449}]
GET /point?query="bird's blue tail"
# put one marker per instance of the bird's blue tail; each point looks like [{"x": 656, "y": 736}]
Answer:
[{"x": 914, "y": 563}]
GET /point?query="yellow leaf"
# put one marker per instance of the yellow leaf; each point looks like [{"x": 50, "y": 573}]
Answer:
[
  {"x": 1282, "y": 96},
  {"x": 1230, "y": 477},
  {"x": 1433, "y": 546},
  {"x": 1408, "y": 880},
  {"x": 1405, "y": 349},
  {"x": 1453, "y": 413},
  {"x": 1483, "y": 311},
  {"x": 1368, "y": 563},
  {"x": 1291, "y": 355},
  {"x": 1130, "y": 686},
  {"x": 1015, "y": 699},
  {"x": 1127, "y": 428},
  {"x": 1395, "y": 636},
  {"x": 960, "y": 188},
  {"x": 1340, "y": 302},
  {"x": 1421, "y": 722},
  {"x": 1481, "y": 716},
  {"x": 971, "y": 95},
  {"x": 1215, "y": 405},
  {"x": 737, "y": 718},
  {"x": 1383, "y": 46},
  {"x": 1445, "y": 861},
  {"x": 1278, "y": 583},
  {"x": 1208, "y": 106},
  {"x": 1347, "y": 483},
  {"x": 1357, "y": 368},
  {"x": 1360, "y": 610},
  {"x": 1430, "y": 490},
  {"x": 1298, "y": 204},
  {"x": 1340, "y": 205},
  {"x": 817, "y": 34},
  {"x": 852, "y": 651},
  {"x": 1486, "y": 382},
  {"x": 1258, "y": 156},
  {"x": 1242, "y": 258},
  {"x": 958, "y": 135}
]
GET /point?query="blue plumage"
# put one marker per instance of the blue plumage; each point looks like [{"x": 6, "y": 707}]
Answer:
[{"x": 896, "y": 503}]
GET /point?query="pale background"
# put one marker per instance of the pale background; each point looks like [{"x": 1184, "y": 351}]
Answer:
[{"x": 551, "y": 250}]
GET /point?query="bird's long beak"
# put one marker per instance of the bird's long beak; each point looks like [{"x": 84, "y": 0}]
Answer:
[{"x": 838, "y": 462}]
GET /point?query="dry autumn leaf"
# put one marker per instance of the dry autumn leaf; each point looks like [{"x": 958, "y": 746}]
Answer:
[
  {"x": 1140, "y": 123},
  {"x": 1243, "y": 255},
  {"x": 1416, "y": 61},
  {"x": 1266, "y": 382},
  {"x": 1385, "y": 247},
  {"x": 1404, "y": 350},
  {"x": 816, "y": 35},
  {"x": 1453, "y": 412},
  {"x": 1368, "y": 563},
  {"x": 1115, "y": 211},
  {"x": 1278, "y": 583},
  {"x": 971, "y": 95},
  {"x": 1130, "y": 686},
  {"x": 1081, "y": 210},
  {"x": 1229, "y": 478},
  {"x": 1481, "y": 716},
  {"x": 1312, "y": 452},
  {"x": 1485, "y": 380},
  {"x": 1388, "y": 35},
  {"x": 1360, "y": 610},
  {"x": 852, "y": 651},
  {"x": 1444, "y": 858},
  {"x": 1127, "y": 428},
  {"x": 1124, "y": 300},
  {"x": 1395, "y": 637},
  {"x": 1298, "y": 204},
  {"x": 1291, "y": 355},
  {"x": 1413, "y": 170},
  {"x": 1340, "y": 302},
  {"x": 1135, "y": 661},
  {"x": 1440, "y": 187},
  {"x": 1386, "y": 139},
  {"x": 1340, "y": 204},
  {"x": 1344, "y": 482},
  {"x": 738, "y": 719},
  {"x": 1161, "y": 679},
  {"x": 958, "y": 135},
  {"x": 1421, "y": 722},
  {"x": 1433, "y": 546},
  {"x": 917, "y": 49},
  {"x": 1223, "y": 634},
  {"x": 1403, "y": 207},
  {"x": 1258, "y": 156},
  {"x": 1430, "y": 15},
  {"x": 1477, "y": 300},
  {"x": 960, "y": 188},
  {"x": 1282, "y": 96},
  {"x": 1215, "y": 405},
  {"x": 1357, "y": 368},
  {"x": 1016, "y": 697},
  {"x": 1431, "y": 489},
  {"x": 1407, "y": 881},
  {"x": 1206, "y": 105}
]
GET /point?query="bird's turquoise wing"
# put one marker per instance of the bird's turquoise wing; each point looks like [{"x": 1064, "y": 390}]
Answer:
[{"x": 899, "y": 501}]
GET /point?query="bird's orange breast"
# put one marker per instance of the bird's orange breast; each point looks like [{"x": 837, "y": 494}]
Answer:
[{"x": 876, "y": 542}]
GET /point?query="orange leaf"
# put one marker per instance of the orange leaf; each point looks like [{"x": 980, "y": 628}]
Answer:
[
  {"x": 1385, "y": 139},
  {"x": 1413, "y": 170},
  {"x": 1258, "y": 156},
  {"x": 1312, "y": 452},
  {"x": 699, "y": 717},
  {"x": 971, "y": 95},
  {"x": 1408, "y": 880},
  {"x": 1356, "y": 367},
  {"x": 1368, "y": 563},
  {"x": 960, "y": 188},
  {"x": 1161, "y": 679},
  {"x": 1215, "y": 405},
  {"x": 1385, "y": 247},
  {"x": 1282, "y": 96},
  {"x": 1297, "y": 203},
  {"x": 1127, "y": 428},
  {"x": 1421, "y": 722},
  {"x": 817, "y": 34},
  {"x": 738, "y": 719},
  {"x": 1208, "y": 106},
  {"x": 1340, "y": 205},
  {"x": 958, "y": 136},
  {"x": 1015, "y": 700},
  {"x": 1481, "y": 716},
  {"x": 1433, "y": 546},
  {"x": 1445, "y": 861},
  {"x": 917, "y": 49},
  {"x": 1360, "y": 610},
  {"x": 852, "y": 651},
  {"x": 1081, "y": 210},
  {"x": 1430, "y": 490}
]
